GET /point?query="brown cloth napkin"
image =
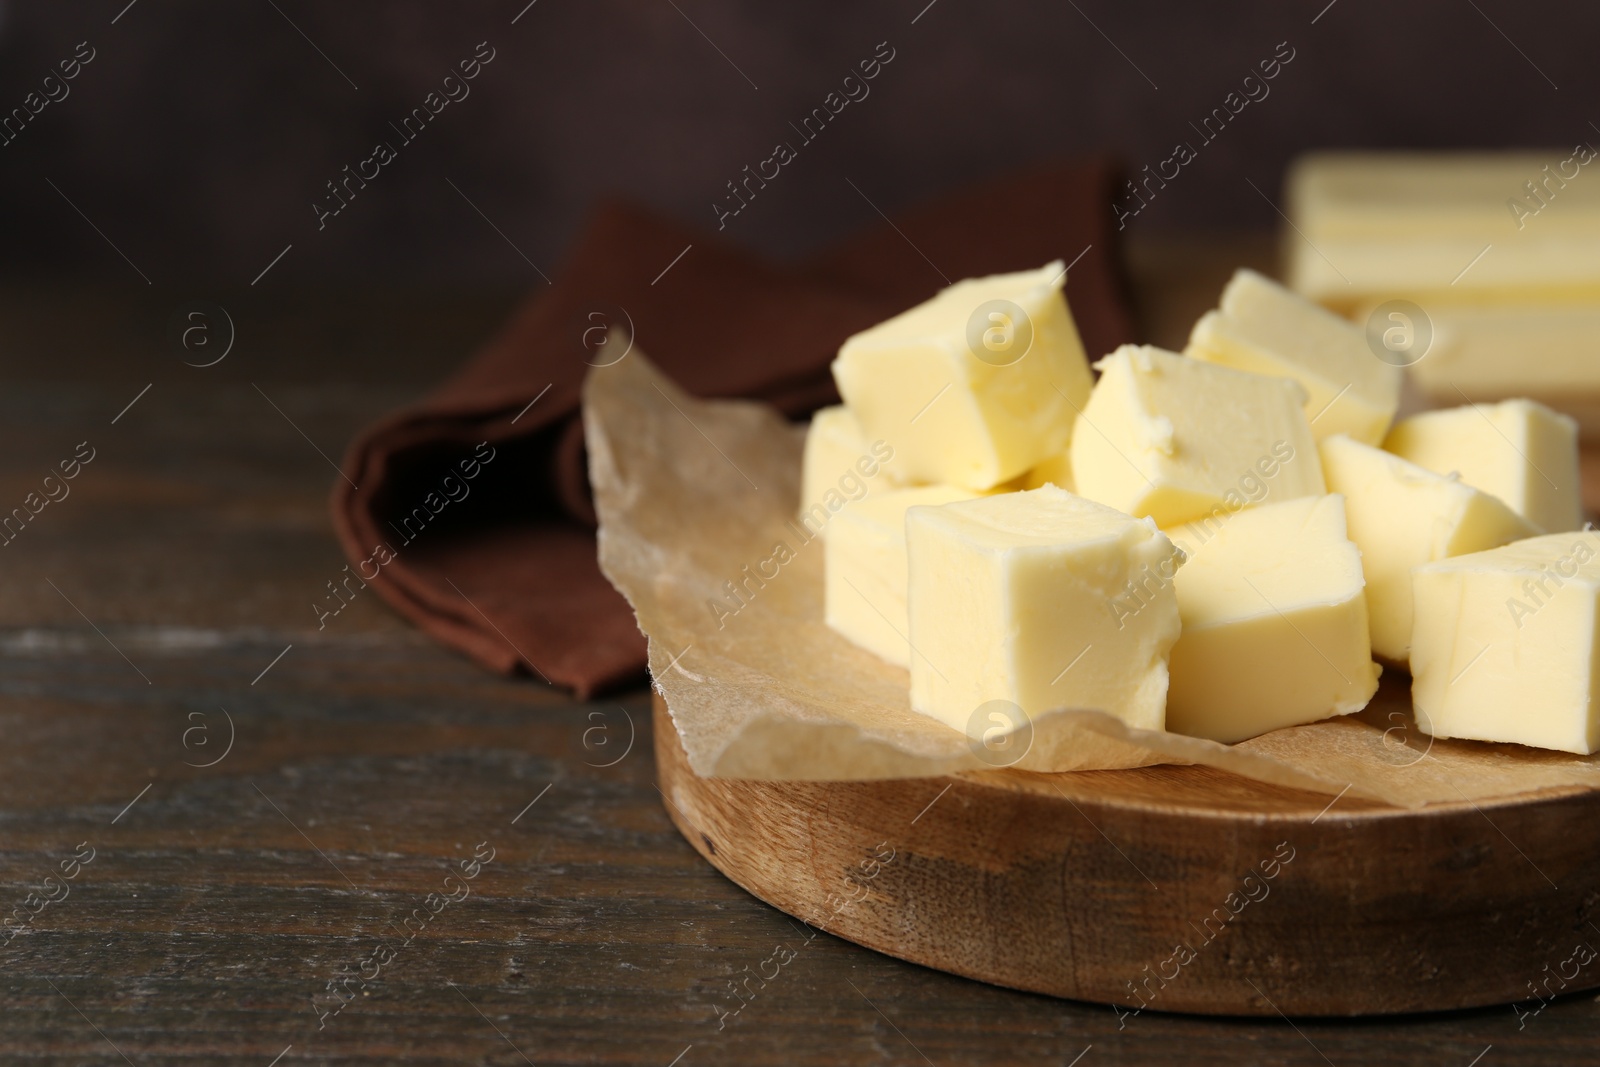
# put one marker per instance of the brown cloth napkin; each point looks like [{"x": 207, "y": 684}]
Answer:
[{"x": 470, "y": 513}]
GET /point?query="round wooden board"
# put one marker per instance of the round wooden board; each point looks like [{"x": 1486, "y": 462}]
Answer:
[{"x": 1169, "y": 888}]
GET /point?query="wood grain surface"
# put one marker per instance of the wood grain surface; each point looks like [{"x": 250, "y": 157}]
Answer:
[
  {"x": 1168, "y": 888},
  {"x": 367, "y": 765}
]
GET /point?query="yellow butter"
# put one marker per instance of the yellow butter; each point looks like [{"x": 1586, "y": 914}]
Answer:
[
  {"x": 864, "y": 561},
  {"x": 975, "y": 386},
  {"x": 1517, "y": 450},
  {"x": 1548, "y": 350},
  {"x": 1013, "y": 598},
  {"x": 1056, "y": 471},
  {"x": 1422, "y": 195},
  {"x": 1175, "y": 438},
  {"x": 1429, "y": 225},
  {"x": 1499, "y": 254},
  {"x": 1423, "y": 272},
  {"x": 1262, "y": 327},
  {"x": 1274, "y": 622},
  {"x": 1505, "y": 646},
  {"x": 1401, "y": 516},
  {"x": 839, "y": 465}
]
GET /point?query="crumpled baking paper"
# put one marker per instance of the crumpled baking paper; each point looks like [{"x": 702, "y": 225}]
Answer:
[{"x": 693, "y": 495}]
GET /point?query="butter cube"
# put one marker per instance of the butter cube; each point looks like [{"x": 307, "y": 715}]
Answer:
[
  {"x": 976, "y": 385},
  {"x": 1402, "y": 516},
  {"x": 1056, "y": 471},
  {"x": 1175, "y": 438},
  {"x": 840, "y": 465},
  {"x": 1517, "y": 450},
  {"x": 864, "y": 566},
  {"x": 1265, "y": 328},
  {"x": 1274, "y": 622},
  {"x": 1505, "y": 646},
  {"x": 1043, "y": 599}
]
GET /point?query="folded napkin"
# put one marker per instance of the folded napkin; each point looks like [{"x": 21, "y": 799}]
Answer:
[{"x": 469, "y": 512}]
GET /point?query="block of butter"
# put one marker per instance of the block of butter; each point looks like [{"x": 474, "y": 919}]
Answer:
[
  {"x": 1421, "y": 195},
  {"x": 1517, "y": 450},
  {"x": 1443, "y": 225},
  {"x": 1042, "y": 599},
  {"x": 864, "y": 568},
  {"x": 1175, "y": 438},
  {"x": 1556, "y": 346},
  {"x": 1260, "y": 326},
  {"x": 1401, "y": 516},
  {"x": 840, "y": 465},
  {"x": 1505, "y": 646},
  {"x": 1274, "y": 622},
  {"x": 975, "y": 386}
]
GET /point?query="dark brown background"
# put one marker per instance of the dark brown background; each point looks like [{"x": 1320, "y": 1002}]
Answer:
[{"x": 202, "y": 132}]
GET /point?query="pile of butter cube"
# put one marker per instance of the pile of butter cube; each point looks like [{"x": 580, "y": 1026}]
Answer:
[{"x": 1217, "y": 543}]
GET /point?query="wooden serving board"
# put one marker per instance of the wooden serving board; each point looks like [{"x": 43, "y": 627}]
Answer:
[{"x": 1169, "y": 888}]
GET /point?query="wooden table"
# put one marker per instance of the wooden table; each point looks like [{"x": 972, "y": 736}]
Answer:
[{"x": 165, "y": 606}]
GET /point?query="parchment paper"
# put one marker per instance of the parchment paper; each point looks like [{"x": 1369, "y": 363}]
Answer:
[{"x": 690, "y": 493}]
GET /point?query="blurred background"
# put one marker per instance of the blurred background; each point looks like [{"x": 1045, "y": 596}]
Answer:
[{"x": 199, "y": 136}]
